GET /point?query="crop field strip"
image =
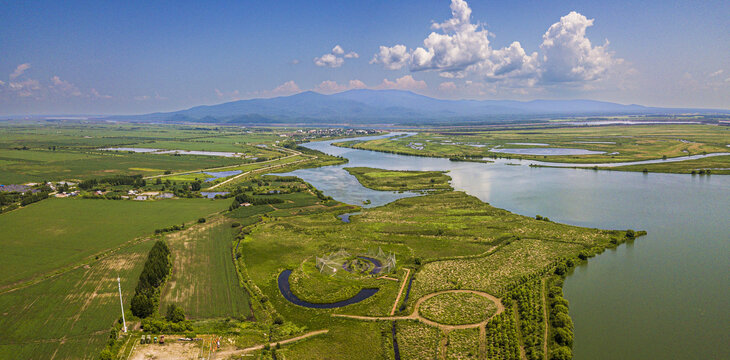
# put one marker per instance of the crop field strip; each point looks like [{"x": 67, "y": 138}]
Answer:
[{"x": 204, "y": 280}]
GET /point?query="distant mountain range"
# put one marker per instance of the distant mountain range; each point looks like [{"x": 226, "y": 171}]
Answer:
[{"x": 364, "y": 106}]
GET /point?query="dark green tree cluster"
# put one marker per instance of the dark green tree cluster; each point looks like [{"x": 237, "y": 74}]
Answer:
[
  {"x": 245, "y": 198},
  {"x": 134, "y": 180},
  {"x": 502, "y": 341},
  {"x": 155, "y": 270},
  {"x": 169, "y": 229},
  {"x": 175, "y": 314},
  {"x": 23, "y": 199}
]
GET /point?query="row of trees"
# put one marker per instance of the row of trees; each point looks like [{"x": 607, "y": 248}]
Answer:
[
  {"x": 155, "y": 270},
  {"x": 501, "y": 337},
  {"x": 532, "y": 323},
  {"x": 561, "y": 324},
  {"x": 134, "y": 180},
  {"x": 245, "y": 198}
]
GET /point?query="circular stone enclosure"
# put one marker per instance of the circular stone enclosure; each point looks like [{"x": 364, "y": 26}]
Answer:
[{"x": 457, "y": 308}]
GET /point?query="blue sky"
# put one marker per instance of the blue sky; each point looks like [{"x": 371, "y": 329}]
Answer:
[{"x": 99, "y": 57}]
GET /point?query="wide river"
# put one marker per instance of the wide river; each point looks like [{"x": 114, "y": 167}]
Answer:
[{"x": 664, "y": 296}]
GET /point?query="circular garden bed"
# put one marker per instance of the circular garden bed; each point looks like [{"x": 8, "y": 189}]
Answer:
[{"x": 457, "y": 308}]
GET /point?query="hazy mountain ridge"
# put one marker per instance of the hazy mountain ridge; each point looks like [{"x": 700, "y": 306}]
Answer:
[{"x": 395, "y": 106}]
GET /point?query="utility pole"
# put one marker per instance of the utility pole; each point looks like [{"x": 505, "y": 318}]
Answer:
[{"x": 121, "y": 303}]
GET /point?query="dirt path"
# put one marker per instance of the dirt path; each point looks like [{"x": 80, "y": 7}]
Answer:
[
  {"x": 483, "y": 342},
  {"x": 402, "y": 286},
  {"x": 229, "y": 353},
  {"x": 520, "y": 340},
  {"x": 545, "y": 318},
  {"x": 442, "y": 346},
  {"x": 416, "y": 316}
]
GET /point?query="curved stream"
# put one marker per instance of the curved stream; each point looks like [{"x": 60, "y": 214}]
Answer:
[
  {"x": 284, "y": 288},
  {"x": 663, "y": 296}
]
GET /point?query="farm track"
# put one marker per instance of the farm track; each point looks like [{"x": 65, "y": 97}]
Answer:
[
  {"x": 545, "y": 318},
  {"x": 416, "y": 316},
  {"x": 308, "y": 158},
  {"x": 231, "y": 353},
  {"x": 442, "y": 345},
  {"x": 483, "y": 342},
  {"x": 290, "y": 152},
  {"x": 403, "y": 286},
  {"x": 520, "y": 340}
]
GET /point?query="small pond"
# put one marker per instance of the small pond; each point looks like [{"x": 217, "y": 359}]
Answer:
[
  {"x": 346, "y": 217},
  {"x": 182, "y": 152},
  {"x": 547, "y": 151},
  {"x": 528, "y": 144},
  {"x": 220, "y": 174},
  {"x": 212, "y": 194}
]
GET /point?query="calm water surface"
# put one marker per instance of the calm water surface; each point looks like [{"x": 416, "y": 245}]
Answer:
[{"x": 664, "y": 296}]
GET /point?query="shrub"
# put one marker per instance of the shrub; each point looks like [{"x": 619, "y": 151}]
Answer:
[
  {"x": 201, "y": 220},
  {"x": 106, "y": 354},
  {"x": 561, "y": 353},
  {"x": 562, "y": 320},
  {"x": 563, "y": 336},
  {"x": 175, "y": 313},
  {"x": 630, "y": 233},
  {"x": 142, "y": 306}
]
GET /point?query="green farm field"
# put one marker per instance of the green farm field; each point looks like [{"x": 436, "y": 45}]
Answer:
[
  {"x": 618, "y": 143},
  {"x": 39, "y": 152},
  {"x": 55, "y": 233},
  {"x": 204, "y": 280}
]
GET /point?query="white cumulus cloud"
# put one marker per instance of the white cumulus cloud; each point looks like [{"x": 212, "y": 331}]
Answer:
[
  {"x": 331, "y": 87},
  {"x": 329, "y": 60},
  {"x": 568, "y": 55},
  {"x": 288, "y": 88},
  {"x": 460, "y": 48},
  {"x": 403, "y": 83},
  {"x": 335, "y": 58},
  {"x": 392, "y": 58},
  {"x": 64, "y": 87}
]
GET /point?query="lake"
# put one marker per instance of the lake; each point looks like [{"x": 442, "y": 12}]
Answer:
[{"x": 664, "y": 296}]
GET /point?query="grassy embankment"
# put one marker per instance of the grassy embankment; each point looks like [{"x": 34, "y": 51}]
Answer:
[
  {"x": 385, "y": 180},
  {"x": 618, "y": 144}
]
